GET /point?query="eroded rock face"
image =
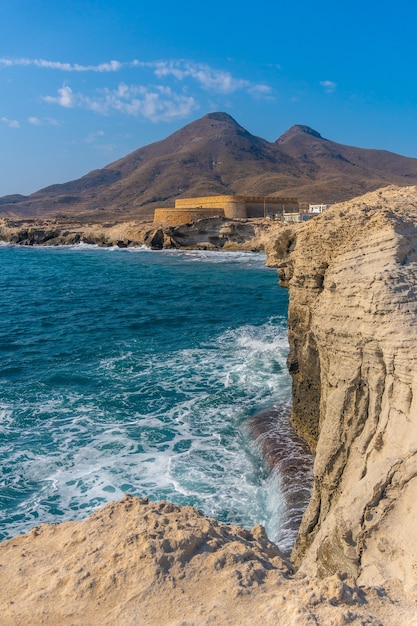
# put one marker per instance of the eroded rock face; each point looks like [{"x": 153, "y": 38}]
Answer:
[{"x": 352, "y": 279}]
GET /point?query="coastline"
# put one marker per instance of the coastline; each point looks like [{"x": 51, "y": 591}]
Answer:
[
  {"x": 205, "y": 234},
  {"x": 352, "y": 341}
]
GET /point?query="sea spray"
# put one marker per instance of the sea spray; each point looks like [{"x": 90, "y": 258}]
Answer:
[
  {"x": 130, "y": 371},
  {"x": 290, "y": 462}
]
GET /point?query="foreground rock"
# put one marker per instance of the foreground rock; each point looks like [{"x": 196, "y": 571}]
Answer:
[
  {"x": 137, "y": 562},
  {"x": 352, "y": 279}
]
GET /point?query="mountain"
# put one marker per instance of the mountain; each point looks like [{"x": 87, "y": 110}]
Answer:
[{"x": 215, "y": 155}]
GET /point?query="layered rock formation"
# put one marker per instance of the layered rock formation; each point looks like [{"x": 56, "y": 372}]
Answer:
[{"x": 352, "y": 276}]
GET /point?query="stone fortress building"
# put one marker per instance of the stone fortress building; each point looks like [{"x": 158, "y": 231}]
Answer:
[{"x": 232, "y": 207}]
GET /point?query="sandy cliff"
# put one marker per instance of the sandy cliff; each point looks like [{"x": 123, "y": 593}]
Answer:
[{"x": 352, "y": 276}]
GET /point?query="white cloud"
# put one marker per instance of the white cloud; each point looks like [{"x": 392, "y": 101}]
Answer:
[
  {"x": 36, "y": 121},
  {"x": 65, "y": 98},
  {"x": 209, "y": 78},
  {"x": 111, "y": 66},
  {"x": 168, "y": 89},
  {"x": 155, "y": 104},
  {"x": 260, "y": 91},
  {"x": 10, "y": 123},
  {"x": 93, "y": 137},
  {"x": 329, "y": 86}
]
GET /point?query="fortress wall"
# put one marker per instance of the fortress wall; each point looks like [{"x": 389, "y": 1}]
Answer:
[
  {"x": 232, "y": 206},
  {"x": 176, "y": 217},
  {"x": 235, "y": 209}
]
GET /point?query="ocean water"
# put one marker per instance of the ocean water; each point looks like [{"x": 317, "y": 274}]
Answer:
[{"x": 135, "y": 371}]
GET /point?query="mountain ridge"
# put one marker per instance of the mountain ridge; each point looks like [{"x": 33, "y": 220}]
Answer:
[{"x": 215, "y": 155}]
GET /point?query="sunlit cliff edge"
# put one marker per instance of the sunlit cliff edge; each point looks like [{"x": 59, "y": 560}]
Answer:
[
  {"x": 351, "y": 275},
  {"x": 352, "y": 279}
]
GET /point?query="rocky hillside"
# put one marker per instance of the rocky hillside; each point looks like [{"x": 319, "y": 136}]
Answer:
[
  {"x": 215, "y": 155},
  {"x": 352, "y": 276}
]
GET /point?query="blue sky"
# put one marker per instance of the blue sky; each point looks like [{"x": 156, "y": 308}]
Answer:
[{"x": 85, "y": 82}]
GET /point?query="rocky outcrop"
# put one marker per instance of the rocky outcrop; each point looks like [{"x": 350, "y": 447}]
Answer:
[
  {"x": 156, "y": 564},
  {"x": 352, "y": 280},
  {"x": 204, "y": 234}
]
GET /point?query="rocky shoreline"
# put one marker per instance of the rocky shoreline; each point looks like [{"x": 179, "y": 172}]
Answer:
[
  {"x": 205, "y": 234},
  {"x": 351, "y": 275}
]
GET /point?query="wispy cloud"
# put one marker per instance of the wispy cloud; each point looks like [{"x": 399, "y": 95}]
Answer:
[
  {"x": 111, "y": 66},
  {"x": 207, "y": 77},
  {"x": 36, "y": 121},
  {"x": 210, "y": 79},
  {"x": 162, "y": 90},
  {"x": 328, "y": 85},
  {"x": 65, "y": 98},
  {"x": 93, "y": 137},
  {"x": 10, "y": 123},
  {"x": 157, "y": 104}
]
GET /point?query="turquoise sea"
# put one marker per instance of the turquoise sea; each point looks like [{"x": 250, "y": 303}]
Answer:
[{"x": 135, "y": 371}]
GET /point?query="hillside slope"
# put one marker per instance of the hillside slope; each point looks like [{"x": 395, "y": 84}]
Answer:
[{"x": 215, "y": 155}]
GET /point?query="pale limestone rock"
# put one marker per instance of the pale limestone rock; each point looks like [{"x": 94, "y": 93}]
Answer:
[
  {"x": 352, "y": 279},
  {"x": 155, "y": 564}
]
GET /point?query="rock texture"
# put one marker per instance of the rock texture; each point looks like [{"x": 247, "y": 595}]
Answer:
[
  {"x": 352, "y": 279},
  {"x": 157, "y": 564},
  {"x": 351, "y": 275}
]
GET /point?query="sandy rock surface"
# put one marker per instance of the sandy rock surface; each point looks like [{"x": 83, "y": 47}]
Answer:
[
  {"x": 136, "y": 562},
  {"x": 205, "y": 234}
]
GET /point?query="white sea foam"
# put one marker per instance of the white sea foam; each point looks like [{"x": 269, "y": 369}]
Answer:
[
  {"x": 165, "y": 423},
  {"x": 215, "y": 256},
  {"x": 181, "y": 451}
]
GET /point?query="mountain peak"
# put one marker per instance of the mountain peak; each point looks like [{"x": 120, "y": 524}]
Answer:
[
  {"x": 219, "y": 116},
  {"x": 205, "y": 125},
  {"x": 298, "y": 130}
]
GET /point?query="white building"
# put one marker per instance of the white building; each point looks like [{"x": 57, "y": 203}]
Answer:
[{"x": 318, "y": 208}]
